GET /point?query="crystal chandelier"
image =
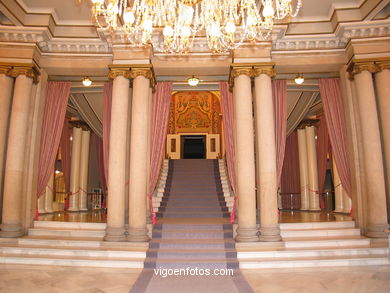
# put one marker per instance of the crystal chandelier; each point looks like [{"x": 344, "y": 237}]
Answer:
[{"x": 226, "y": 24}]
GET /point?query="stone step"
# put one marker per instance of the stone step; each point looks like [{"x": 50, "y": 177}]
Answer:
[
  {"x": 192, "y": 263},
  {"x": 291, "y": 253},
  {"x": 66, "y": 232},
  {"x": 71, "y": 252},
  {"x": 320, "y": 232},
  {"x": 317, "y": 225},
  {"x": 67, "y": 261},
  {"x": 69, "y": 225},
  {"x": 327, "y": 241},
  {"x": 328, "y": 261}
]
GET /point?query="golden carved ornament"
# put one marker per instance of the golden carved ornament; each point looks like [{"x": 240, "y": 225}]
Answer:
[
  {"x": 236, "y": 72},
  {"x": 370, "y": 65},
  {"x": 266, "y": 69},
  {"x": 383, "y": 65},
  {"x": 5, "y": 69},
  {"x": 118, "y": 71},
  {"x": 130, "y": 72},
  {"x": 28, "y": 70}
]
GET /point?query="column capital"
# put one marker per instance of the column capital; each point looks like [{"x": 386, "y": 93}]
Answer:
[
  {"x": 264, "y": 68},
  {"x": 4, "y": 69},
  {"x": 383, "y": 64},
  {"x": 14, "y": 70},
  {"x": 131, "y": 71},
  {"x": 371, "y": 65},
  {"x": 251, "y": 70}
]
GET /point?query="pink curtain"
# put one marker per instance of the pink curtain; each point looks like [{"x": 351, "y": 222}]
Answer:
[
  {"x": 279, "y": 92},
  {"x": 227, "y": 111},
  {"x": 100, "y": 161},
  {"x": 228, "y": 131},
  {"x": 65, "y": 157},
  {"x": 107, "y": 102},
  {"x": 323, "y": 148},
  {"x": 160, "y": 116},
  {"x": 53, "y": 121},
  {"x": 334, "y": 112},
  {"x": 290, "y": 177}
]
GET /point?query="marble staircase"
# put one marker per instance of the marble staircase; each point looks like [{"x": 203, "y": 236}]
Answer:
[
  {"x": 71, "y": 244},
  {"x": 316, "y": 244}
]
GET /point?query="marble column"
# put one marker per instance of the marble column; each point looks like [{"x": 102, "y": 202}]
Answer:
[
  {"x": 382, "y": 82},
  {"x": 303, "y": 170},
  {"x": 75, "y": 171},
  {"x": 372, "y": 150},
  {"x": 338, "y": 190},
  {"x": 138, "y": 231},
  {"x": 266, "y": 157},
  {"x": 15, "y": 160},
  {"x": 115, "y": 230},
  {"x": 6, "y": 85},
  {"x": 245, "y": 155},
  {"x": 149, "y": 132},
  {"x": 314, "y": 200},
  {"x": 84, "y": 163},
  {"x": 49, "y": 195}
]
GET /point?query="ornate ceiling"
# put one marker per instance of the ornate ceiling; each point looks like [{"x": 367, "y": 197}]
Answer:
[{"x": 324, "y": 36}]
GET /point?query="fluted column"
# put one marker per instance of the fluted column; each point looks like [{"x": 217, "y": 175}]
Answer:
[
  {"x": 75, "y": 171},
  {"x": 338, "y": 190},
  {"x": 382, "y": 82},
  {"x": 138, "y": 231},
  {"x": 266, "y": 146},
  {"x": 245, "y": 157},
  {"x": 49, "y": 194},
  {"x": 84, "y": 160},
  {"x": 6, "y": 86},
  {"x": 314, "y": 200},
  {"x": 115, "y": 230},
  {"x": 372, "y": 149},
  {"x": 14, "y": 170},
  {"x": 303, "y": 170}
]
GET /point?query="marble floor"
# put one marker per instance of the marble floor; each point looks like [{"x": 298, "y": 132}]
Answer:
[
  {"x": 285, "y": 216},
  {"x": 53, "y": 279}
]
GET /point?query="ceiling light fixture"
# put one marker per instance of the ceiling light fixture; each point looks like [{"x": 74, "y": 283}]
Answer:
[
  {"x": 193, "y": 81},
  {"x": 225, "y": 24},
  {"x": 299, "y": 79},
  {"x": 87, "y": 81}
]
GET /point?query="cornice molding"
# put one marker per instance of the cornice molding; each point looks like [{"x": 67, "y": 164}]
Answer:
[{"x": 14, "y": 70}]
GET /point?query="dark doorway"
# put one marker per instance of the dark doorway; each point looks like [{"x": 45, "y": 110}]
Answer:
[{"x": 193, "y": 146}]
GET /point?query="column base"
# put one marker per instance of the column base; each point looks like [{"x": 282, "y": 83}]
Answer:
[
  {"x": 315, "y": 210},
  {"x": 377, "y": 231},
  {"x": 49, "y": 211},
  {"x": 247, "y": 235},
  {"x": 338, "y": 211},
  {"x": 72, "y": 210},
  {"x": 83, "y": 210},
  {"x": 138, "y": 235},
  {"x": 11, "y": 231},
  {"x": 115, "y": 234},
  {"x": 346, "y": 211},
  {"x": 270, "y": 234},
  {"x": 41, "y": 212}
]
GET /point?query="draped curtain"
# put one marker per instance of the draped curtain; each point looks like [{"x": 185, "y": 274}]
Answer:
[
  {"x": 228, "y": 127},
  {"x": 279, "y": 92},
  {"x": 52, "y": 126},
  {"x": 334, "y": 113},
  {"x": 65, "y": 157},
  {"x": 107, "y": 103},
  {"x": 323, "y": 148},
  {"x": 290, "y": 178},
  {"x": 160, "y": 116}
]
